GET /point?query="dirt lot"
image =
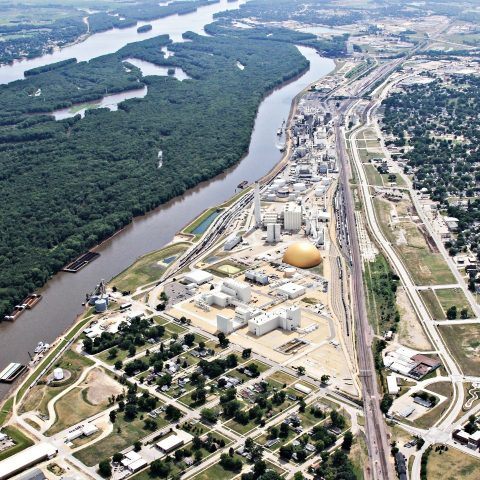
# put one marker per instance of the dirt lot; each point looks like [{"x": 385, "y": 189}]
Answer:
[
  {"x": 101, "y": 387},
  {"x": 410, "y": 332},
  {"x": 328, "y": 360}
]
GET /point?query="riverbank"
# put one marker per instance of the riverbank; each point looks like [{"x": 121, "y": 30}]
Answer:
[{"x": 64, "y": 293}]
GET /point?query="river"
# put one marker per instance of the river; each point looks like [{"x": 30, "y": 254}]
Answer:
[
  {"x": 64, "y": 293},
  {"x": 112, "y": 40}
]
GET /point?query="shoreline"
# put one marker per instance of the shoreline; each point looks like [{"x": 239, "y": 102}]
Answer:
[{"x": 280, "y": 163}]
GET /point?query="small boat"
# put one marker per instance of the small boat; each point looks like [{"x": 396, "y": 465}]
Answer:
[
  {"x": 40, "y": 347},
  {"x": 242, "y": 184},
  {"x": 279, "y": 132}
]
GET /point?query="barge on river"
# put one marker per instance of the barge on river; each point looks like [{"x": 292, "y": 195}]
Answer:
[
  {"x": 11, "y": 372},
  {"x": 27, "y": 304},
  {"x": 80, "y": 262}
]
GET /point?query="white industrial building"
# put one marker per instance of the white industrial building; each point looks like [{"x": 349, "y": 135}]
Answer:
[
  {"x": 292, "y": 217},
  {"x": 25, "y": 459},
  {"x": 274, "y": 232},
  {"x": 284, "y": 318},
  {"x": 303, "y": 388},
  {"x": 257, "y": 276},
  {"x": 392, "y": 385},
  {"x": 198, "y": 277},
  {"x": 232, "y": 241},
  {"x": 177, "y": 439},
  {"x": 227, "y": 324},
  {"x": 229, "y": 291},
  {"x": 133, "y": 461},
  {"x": 292, "y": 290}
]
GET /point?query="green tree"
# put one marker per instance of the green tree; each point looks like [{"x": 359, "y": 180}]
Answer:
[{"x": 105, "y": 469}]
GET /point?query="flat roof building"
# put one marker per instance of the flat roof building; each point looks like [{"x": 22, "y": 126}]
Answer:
[
  {"x": 25, "y": 459},
  {"x": 174, "y": 441},
  {"x": 199, "y": 277},
  {"x": 292, "y": 290}
]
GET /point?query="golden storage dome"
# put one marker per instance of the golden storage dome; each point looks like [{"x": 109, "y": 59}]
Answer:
[{"x": 302, "y": 255}]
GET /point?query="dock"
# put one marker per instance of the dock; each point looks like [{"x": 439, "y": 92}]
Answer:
[
  {"x": 11, "y": 372},
  {"x": 80, "y": 262}
]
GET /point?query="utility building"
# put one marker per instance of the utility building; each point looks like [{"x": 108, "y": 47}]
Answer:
[
  {"x": 284, "y": 318},
  {"x": 292, "y": 217}
]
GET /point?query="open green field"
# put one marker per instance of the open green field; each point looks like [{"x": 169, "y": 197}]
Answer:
[
  {"x": 39, "y": 395},
  {"x": 433, "y": 305},
  {"x": 124, "y": 434},
  {"x": 84, "y": 400},
  {"x": 147, "y": 269},
  {"x": 20, "y": 439},
  {"x": 425, "y": 264},
  {"x": 6, "y": 410},
  {"x": 463, "y": 342},
  {"x": 434, "y": 414},
  {"x": 452, "y": 465},
  {"x": 217, "y": 472},
  {"x": 453, "y": 296}
]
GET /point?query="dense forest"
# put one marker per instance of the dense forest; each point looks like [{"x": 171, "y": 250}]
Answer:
[
  {"x": 68, "y": 184},
  {"x": 438, "y": 127}
]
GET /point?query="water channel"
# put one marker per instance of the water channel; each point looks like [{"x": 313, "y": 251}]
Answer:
[{"x": 64, "y": 293}]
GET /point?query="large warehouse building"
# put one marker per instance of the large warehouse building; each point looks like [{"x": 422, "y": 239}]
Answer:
[{"x": 25, "y": 459}]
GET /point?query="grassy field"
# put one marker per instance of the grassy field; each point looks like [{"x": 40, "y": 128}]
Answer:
[
  {"x": 463, "y": 342},
  {"x": 452, "y": 465},
  {"x": 148, "y": 268},
  {"x": 73, "y": 408},
  {"x": 216, "y": 472},
  {"x": 39, "y": 396},
  {"x": 20, "y": 439},
  {"x": 6, "y": 410},
  {"x": 433, "y": 305},
  {"x": 426, "y": 266},
  {"x": 434, "y": 414},
  {"x": 453, "y": 296},
  {"x": 373, "y": 176},
  {"x": 124, "y": 434},
  {"x": 359, "y": 456}
]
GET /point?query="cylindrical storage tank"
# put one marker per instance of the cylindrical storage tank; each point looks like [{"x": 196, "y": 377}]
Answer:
[
  {"x": 271, "y": 197},
  {"x": 101, "y": 305},
  {"x": 289, "y": 272},
  {"x": 315, "y": 178},
  {"x": 105, "y": 297},
  {"x": 58, "y": 374},
  {"x": 319, "y": 192},
  {"x": 299, "y": 187},
  {"x": 326, "y": 181},
  {"x": 279, "y": 181},
  {"x": 92, "y": 300},
  {"x": 283, "y": 192}
]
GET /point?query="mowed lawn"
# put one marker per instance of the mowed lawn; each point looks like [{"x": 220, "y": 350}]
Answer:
[
  {"x": 449, "y": 297},
  {"x": 125, "y": 433},
  {"x": 452, "y": 465},
  {"x": 463, "y": 341},
  {"x": 147, "y": 269},
  {"x": 425, "y": 264}
]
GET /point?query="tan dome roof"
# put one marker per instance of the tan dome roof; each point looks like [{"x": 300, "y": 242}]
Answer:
[{"x": 302, "y": 255}]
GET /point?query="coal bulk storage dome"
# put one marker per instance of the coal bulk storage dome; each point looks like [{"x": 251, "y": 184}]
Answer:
[{"x": 302, "y": 255}]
